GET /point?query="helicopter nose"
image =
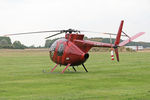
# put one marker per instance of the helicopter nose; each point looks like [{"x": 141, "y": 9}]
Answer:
[{"x": 86, "y": 56}]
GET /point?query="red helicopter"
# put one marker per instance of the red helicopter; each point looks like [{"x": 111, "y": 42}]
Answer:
[{"x": 73, "y": 50}]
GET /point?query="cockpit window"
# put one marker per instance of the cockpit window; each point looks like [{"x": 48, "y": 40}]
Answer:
[
  {"x": 60, "y": 50},
  {"x": 52, "y": 48}
]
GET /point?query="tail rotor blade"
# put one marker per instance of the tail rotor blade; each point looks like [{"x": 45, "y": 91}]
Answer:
[
  {"x": 131, "y": 38},
  {"x": 117, "y": 54}
]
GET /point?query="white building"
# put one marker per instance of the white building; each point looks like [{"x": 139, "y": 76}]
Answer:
[{"x": 135, "y": 47}]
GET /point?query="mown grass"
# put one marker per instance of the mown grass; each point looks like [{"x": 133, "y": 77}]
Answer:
[{"x": 22, "y": 77}]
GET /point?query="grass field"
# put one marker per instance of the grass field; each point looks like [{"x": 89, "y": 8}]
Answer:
[{"x": 22, "y": 77}]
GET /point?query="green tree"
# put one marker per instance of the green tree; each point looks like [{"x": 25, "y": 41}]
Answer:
[
  {"x": 18, "y": 45},
  {"x": 5, "y": 42},
  {"x": 48, "y": 43}
]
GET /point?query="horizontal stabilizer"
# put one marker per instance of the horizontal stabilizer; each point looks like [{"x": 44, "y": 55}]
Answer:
[{"x": 131, "y": 38}]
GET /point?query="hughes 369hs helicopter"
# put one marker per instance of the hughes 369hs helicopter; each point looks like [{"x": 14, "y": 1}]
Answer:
[{"x": 73, "y": 50}]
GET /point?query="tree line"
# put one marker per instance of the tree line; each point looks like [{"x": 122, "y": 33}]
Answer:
[{"x": 5, "y": 42}]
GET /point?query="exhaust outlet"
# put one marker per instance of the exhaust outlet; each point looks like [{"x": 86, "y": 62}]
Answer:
[{"x": 86, "y": 56}]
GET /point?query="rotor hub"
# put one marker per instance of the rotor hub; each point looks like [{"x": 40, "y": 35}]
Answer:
[{"x": 69, "y": 31}]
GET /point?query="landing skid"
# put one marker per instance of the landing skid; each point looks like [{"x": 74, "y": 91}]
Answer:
[
  {"x": 74, "y": 68},
  {"x": 84, "y": 68},
  {"x": 66, "y": 68},
  {"x": 54, "y": 68}
]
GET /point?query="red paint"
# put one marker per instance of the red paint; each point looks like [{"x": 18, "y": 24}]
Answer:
[
  {"x": 54, "y": 68},
  {"x": 117, "y": 54},
  {"x": 119, "y": 33},
  {"x": 65, "y": 68}
]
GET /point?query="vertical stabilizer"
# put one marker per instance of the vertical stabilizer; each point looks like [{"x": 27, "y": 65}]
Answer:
[
  {"x": 118, "y": 40},
  {"x": 119, "y": 33}
]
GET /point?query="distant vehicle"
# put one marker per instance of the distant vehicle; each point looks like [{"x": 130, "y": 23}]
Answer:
[{"x": 73, "y": 50}]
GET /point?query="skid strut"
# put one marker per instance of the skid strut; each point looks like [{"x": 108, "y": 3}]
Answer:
[
  {"x": 65, "y": 68},
  {"x": 54, "y": 68},
  {"x": 74, "y": 68},
  {"x": 84, "y": 68}
]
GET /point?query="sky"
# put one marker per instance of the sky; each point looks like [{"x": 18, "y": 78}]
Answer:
[{"x": 92, "y": 15}]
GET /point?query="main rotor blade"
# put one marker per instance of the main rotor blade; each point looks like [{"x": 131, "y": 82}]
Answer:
[
  {"x": 33, "y": 32},
  {"x": 113, "y": 34},
  {"x": 102, "y": 33},
  {"x": 53, "y": 35}
]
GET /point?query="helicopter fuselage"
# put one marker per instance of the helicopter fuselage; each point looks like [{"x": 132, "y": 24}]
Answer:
[{"x": 67, "y": 51}]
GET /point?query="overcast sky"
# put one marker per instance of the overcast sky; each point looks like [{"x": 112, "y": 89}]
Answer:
[{"x": 94, "y": 15}]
